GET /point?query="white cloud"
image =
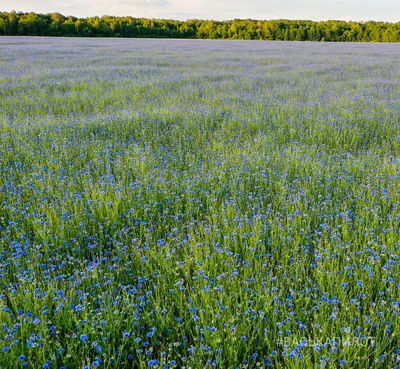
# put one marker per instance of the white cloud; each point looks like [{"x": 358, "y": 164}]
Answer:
[{"x": 218, "y": 9}]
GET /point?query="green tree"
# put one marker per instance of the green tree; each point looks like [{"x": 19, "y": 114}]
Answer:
[
  {"x": 56, "y": 24},
  {"x": 4, "y": 21},
  {"x": 32, "y": 24}
]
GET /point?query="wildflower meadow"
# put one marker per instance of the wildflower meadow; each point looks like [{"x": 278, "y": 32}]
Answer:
[{"x": 199, "y": 204}]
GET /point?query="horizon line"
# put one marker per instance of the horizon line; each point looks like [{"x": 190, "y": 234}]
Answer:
[{"x": 203, "y": 19}]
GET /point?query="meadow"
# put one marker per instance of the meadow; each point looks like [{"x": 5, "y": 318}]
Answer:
[{"x": 199, "y": 204}]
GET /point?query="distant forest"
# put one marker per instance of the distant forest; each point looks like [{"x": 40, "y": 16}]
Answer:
[{"x": 56, "y": 24}]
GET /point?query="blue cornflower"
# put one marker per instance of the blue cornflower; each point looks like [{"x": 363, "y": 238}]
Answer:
[{"x": 84, "y": 337}]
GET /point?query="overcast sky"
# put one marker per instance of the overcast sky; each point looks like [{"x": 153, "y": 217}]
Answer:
[{"x": 358, "y": 10}]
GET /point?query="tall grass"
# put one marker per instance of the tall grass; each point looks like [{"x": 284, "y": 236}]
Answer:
[{"x": 190, "y": 204}]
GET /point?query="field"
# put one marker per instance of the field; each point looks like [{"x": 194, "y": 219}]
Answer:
[{"x": 199, "y": 204}]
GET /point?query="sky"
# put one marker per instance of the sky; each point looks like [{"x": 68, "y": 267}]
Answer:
[{"x": 356, "y": 10}]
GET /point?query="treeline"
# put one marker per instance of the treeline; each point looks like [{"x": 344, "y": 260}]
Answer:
[{"x": 56, "y": 24}]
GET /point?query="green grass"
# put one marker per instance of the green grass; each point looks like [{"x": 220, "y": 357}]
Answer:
[{"x": 212, "y": 204}]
